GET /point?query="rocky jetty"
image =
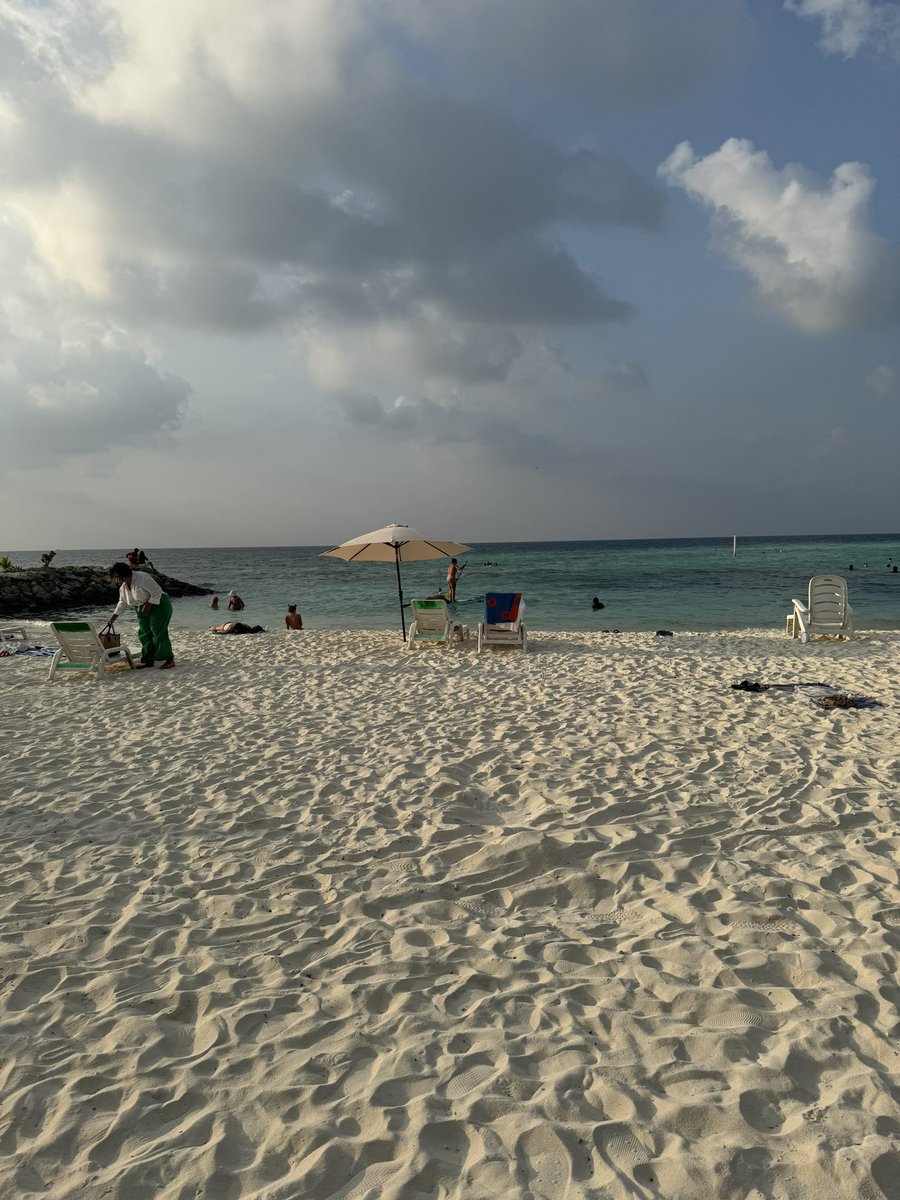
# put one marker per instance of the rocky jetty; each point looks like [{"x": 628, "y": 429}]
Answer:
[{"x": 56, "y": 591}]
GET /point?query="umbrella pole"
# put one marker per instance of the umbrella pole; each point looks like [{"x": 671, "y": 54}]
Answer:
[{"x": 400, "y": 591}]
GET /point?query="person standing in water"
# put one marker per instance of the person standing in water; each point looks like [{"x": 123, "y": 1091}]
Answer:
[
  {"x": 453, "y": 574},
  {"x": 293, "y": 620}
]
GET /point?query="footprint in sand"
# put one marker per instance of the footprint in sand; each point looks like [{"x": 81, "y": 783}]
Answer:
[
  {"x": 35, "y": 987},
  {"x": 468, "y": 1079},
  {"x": 737, "y": 1018},
  {"x": 547, "y": 1163},
  {"x": 369, "y": 1184},
  {"x": 624, "y": 1153},
  {"x": 760, "y": 1111}
]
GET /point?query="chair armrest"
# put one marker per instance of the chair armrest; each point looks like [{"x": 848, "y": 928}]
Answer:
[{"x": 800, "y": 608}]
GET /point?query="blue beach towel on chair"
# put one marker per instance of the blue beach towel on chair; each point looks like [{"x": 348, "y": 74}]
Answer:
[{"x": 501, "y": 607}]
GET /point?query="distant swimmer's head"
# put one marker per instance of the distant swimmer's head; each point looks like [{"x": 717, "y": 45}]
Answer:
[{"x": 596, "y": 603}]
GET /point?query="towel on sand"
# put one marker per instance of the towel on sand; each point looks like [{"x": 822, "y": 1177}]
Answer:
[{"x": 822, "y": 694}]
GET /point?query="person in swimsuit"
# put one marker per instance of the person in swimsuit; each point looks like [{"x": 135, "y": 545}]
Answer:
[{"x": 236, "y": 627}]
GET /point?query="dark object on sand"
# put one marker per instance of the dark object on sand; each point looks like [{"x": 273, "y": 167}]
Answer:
[
  {"x": 236, "y": 627},
  {"x": 833, "y": 699},
  {"x": 664, "y": 633}
]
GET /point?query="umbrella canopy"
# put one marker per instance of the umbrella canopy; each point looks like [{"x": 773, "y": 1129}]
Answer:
[{"x": 396, "y": 544}]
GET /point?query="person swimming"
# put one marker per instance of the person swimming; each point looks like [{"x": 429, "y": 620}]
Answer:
[{"x": 597, "y": 604}]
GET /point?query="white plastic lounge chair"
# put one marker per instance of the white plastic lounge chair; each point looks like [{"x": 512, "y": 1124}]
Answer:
[
  {"x": 503, "y": 623},
  {"x": 828, "y": 611},
  {"x": 432, "y": 623},
  {"x": 81, "y": 650},
  {"x": 13, "y": 633}
]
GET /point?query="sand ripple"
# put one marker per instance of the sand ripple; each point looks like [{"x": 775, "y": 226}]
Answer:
[{"x": 313, "y": 918}]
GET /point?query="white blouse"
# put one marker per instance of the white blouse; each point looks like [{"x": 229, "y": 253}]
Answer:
[{"x": 140, "y": 589}]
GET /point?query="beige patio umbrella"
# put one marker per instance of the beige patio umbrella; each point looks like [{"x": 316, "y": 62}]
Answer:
[{"x": 396, "y": 544}]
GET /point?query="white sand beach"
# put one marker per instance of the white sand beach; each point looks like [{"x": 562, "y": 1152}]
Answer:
[{"x": 310, "y": 917}]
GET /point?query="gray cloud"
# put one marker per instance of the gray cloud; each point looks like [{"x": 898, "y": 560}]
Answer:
[
  {"x": 230, "y": 198},
  {"x": 60, "y": 402},
  {"x": 599, "y": 52},
  {"x": 421, "y": 419}
]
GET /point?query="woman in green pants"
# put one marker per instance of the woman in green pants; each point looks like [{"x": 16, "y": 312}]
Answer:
[{"x": 140, "y": 591}]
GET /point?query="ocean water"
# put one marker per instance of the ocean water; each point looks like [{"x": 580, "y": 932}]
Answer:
[{"x": 677, "y": 584}]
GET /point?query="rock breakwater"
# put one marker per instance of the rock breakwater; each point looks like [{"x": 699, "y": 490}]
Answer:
[{"x": 57, "y": 591}]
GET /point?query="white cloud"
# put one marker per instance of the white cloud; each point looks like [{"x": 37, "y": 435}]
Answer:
[
  {"x": 807, "y": 246},
  {"x": 836, "y": 443},
  {"x": 849, "y": 26},
  {"x": 883, "y": 381}
]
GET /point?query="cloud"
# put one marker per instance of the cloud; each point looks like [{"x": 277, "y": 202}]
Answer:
[
  {"x": 82, "y": 399},
  {"x": 599, "y": 52},
  {"x": 836, "y": 443},
  {"x": 807, "y": 246},
  {"x": 212, "y": 164},
  {"x": 850, "y": 26},
  {"x": 448, "y": 422},
  {"x": 883, "y": 381}
]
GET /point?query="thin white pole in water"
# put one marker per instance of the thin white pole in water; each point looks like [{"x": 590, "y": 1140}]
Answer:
[{"x": 734, "y": 547}]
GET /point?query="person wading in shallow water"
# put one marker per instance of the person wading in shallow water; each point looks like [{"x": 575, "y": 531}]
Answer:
[{"x": 140, "y": 591}]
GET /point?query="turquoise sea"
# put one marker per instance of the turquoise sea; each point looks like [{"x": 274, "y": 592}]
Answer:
[{"x": 677, "y": 584}]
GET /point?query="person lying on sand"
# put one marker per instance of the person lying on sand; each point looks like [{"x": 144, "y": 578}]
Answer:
[{"x": 236, "y": 627}]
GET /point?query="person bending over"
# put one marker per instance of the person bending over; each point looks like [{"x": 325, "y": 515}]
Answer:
[
  {"x": 235, "y": 603},
  {"x": 140, "y": 591}
]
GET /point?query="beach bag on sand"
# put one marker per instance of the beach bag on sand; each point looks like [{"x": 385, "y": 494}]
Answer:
[{"x": 108, "y": 639}]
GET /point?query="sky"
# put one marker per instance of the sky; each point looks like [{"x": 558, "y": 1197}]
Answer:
[{"x": 284, "y": 272}]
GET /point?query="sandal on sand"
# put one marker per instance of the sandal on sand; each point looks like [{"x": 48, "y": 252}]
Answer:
[{"x": 168, "y": 664}]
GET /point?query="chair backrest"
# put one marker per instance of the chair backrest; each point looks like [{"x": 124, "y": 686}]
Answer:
[
  {"x": 431, "y": 616},
  {"x": 78, "y": 640},
  {"x": 828, "y": 600},
  {"x": 503, "y": 608}
]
